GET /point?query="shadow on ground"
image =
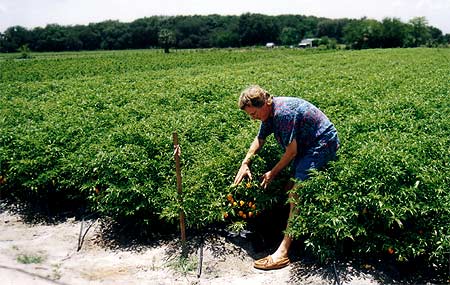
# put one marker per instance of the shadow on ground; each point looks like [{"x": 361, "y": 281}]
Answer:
[
  {"x": 38, "y": 212},
  {"x": 265, "y": 234}
]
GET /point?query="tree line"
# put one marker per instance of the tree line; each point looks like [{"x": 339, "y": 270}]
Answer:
[{"x": 224, "y": 31}]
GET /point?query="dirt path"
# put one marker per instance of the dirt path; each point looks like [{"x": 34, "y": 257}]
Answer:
[{"x": 47, "y": 254}]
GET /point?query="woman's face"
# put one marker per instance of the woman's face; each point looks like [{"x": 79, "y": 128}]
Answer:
[{"x": 262, "y": 113}]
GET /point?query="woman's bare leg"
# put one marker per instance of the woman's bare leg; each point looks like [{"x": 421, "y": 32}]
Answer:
[{"x": 283, "y": 248}]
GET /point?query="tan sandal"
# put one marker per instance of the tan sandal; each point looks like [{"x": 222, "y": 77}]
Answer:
[{"x": 267, "y": 263}]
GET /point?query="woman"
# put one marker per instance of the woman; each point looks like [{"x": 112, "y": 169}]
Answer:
[{"x": 307, "y": 136}]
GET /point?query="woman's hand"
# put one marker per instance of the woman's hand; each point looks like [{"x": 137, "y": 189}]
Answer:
[
  {"x": 288, "y": 156},
  {"x": 266, "y": 179},
  {"x": 244, "y": 171}
]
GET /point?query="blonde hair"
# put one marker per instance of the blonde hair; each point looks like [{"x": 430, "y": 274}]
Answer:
[{"x": 254, "y": 96}]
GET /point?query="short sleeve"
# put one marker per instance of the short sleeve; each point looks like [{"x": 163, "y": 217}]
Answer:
[{"x": 265, "y": 129}]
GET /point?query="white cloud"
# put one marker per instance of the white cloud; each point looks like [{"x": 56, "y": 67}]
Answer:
[
  {"x": 432, "y": 5},
  {"x": 3, "y": 9}
]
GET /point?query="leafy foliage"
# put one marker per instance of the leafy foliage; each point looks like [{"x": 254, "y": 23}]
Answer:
[
  {"x": 24, "y": 52},
  {"x": 224, "y": 31},
  {"x": 248, "y": 199},
  {"x": 166, "y": 39},
  {"x": 96, "y": 127}
]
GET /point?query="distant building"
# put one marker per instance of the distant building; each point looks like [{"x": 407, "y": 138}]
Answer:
[
  {"x": 270, "y": 45},
  {"x": 306, "y": 43}
]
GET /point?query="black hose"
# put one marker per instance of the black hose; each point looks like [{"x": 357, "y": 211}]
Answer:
[
  {"x": 200, "y": 258},
  {"x": 81, "y": 236},
  {"x": 336, "y": 275}
]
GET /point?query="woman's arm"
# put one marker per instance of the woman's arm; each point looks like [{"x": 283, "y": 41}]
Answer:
[
  {"x": 244, "y": 170},
  {"x": 288, "y": 156}
]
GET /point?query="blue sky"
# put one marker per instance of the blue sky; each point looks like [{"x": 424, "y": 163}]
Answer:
[{"x": 34, "y": 13}]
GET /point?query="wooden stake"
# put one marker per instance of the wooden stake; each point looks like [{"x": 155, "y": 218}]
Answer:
[{"x": 176, "y": 154}]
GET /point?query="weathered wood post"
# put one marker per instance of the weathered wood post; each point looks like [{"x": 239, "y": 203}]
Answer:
[{"x": 177, "y": 154}]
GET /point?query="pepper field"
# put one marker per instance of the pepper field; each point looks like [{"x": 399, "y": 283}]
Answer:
[{"x": 95, "y": 129}]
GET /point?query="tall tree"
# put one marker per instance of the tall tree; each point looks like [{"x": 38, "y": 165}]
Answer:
[
  {"x": 332, "y": 28},
  {"x": 15, "y": 37},
  {"x": 394, "y": 33},
  {"x": 420, "y": 33},
  {"x": 363, "y": 33},
  {"x": 188, "y": 30},
  {"x": 289, "y": 36},
  {"x": 90, "y": 37},
  {"x": 446, "y": 39},
  {"x": 53, "y": 38},
  {"x": 144, "y": 32},
  {"x": 114, "y": 35},
  {"x": 257, "y": 29},
  {"x": 226, "y": 32},
  {"x": 436, "y": 37},
  {"x": 166, "y": 39}
]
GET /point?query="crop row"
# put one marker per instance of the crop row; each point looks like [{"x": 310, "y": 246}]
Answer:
[{"x": 97, "y": 127}]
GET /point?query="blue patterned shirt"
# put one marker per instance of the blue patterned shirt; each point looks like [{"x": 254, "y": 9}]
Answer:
[{"x": 295, "y": 118}]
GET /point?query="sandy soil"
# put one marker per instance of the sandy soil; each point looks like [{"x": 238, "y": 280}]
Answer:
[{"x": 40, "y": 253}]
